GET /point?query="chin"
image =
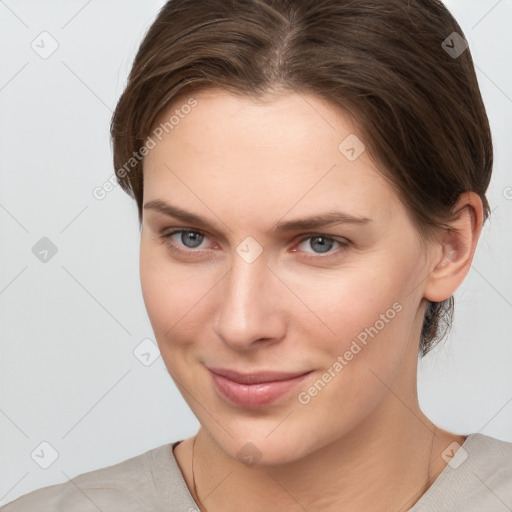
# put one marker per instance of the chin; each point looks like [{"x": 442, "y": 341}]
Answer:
[
  {"x": 261, "y": 453},
  {"x": 256, "y": 442}
]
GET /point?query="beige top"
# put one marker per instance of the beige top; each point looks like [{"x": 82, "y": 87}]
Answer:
[{"x": 477, "y": 479}]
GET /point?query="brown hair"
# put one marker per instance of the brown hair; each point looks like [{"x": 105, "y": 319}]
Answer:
[{"x": 394, "y": 66}]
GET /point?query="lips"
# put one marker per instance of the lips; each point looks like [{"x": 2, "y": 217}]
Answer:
[{"x": 255, "y": 389}]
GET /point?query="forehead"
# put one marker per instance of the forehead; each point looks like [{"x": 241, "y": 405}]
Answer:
[
  {"x": 282, "y": 150},
  {"x": 268, "y": 120}
]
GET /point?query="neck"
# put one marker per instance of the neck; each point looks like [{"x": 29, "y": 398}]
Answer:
[{"x": 387, "y": 463}]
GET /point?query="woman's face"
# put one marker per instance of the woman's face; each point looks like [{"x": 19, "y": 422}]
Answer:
[{"x": 262, "y": 284}]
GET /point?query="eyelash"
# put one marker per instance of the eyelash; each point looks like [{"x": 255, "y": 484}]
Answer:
[{"x": 166, "y": 239}]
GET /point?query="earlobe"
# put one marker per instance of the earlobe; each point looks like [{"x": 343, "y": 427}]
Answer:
[{"x": 457, "y": 249}]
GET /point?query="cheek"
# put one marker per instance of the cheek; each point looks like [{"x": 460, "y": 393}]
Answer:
[
  {"x": 359, "y": 314},
  {"x": 174, "y": 296},
  {"x": 345, "y": 301},
  {"x": 371, "y": 324}
]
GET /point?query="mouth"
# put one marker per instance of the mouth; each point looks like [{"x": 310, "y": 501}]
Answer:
[{"x": 256, "y": 389}]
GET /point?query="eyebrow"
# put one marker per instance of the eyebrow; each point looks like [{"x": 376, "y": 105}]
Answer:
[{"x": 328, "y": 219}]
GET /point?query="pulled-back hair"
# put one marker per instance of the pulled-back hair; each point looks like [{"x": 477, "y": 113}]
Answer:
[{"x": 399, "y": 68}]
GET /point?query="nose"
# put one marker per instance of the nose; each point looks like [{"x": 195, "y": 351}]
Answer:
[{"x": 250, "y": 306}]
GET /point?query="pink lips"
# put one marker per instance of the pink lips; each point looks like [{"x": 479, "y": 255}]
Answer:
[{"x": 253, "y": 390}]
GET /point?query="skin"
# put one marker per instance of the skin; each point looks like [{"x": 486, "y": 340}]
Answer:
[{"x": 362, "y": 443}]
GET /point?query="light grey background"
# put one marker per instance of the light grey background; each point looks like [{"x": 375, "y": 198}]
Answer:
[{"x": 69, "y": 326}]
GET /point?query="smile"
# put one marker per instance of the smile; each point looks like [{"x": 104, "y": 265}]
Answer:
[{"x": 254, "y": 390}]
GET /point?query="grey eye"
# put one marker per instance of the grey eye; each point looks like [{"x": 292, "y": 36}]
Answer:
[
  {"x": 191, "y": 239},
  {"x": 321, "y": 243}
]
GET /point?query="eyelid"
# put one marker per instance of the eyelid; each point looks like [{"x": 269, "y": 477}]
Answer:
[
  {"x": 343, "y": 242},
  {"x": 166, "y": 237}
]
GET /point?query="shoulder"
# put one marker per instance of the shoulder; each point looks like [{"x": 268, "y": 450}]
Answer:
[
  {"x": 490, "y": 461},
  {"x": 489, "y": 454},
  {"x": 478, "y": 477},
  {"x": 127, "y": 486}
]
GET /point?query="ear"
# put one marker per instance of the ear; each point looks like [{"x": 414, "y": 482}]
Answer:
[{"x": 453, "y": 254}]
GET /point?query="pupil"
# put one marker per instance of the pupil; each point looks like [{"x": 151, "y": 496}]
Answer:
[
  {"x": 193, "y": 237},
  {"x": 323, "y": 246}
]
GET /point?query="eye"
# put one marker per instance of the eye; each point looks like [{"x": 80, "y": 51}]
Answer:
[
  {"x": 188, "y": 238},
  {"x": 191, "y": 240},
  {"x": 321, "y": 244}
]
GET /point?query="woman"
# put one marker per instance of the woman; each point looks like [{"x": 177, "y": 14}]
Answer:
[{"x": 310, "y": 178}]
